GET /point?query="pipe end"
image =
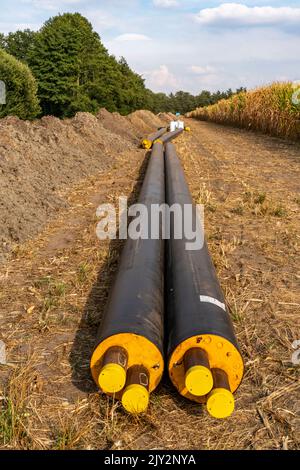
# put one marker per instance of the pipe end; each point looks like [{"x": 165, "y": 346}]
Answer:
[
  {"x": 220, "y": 403},
  {"x": 112, "y": 378},
  {"x": 199, "y": 380},
  {"x": 135, "y": 399},
  {"x": 146, "y": 144}
]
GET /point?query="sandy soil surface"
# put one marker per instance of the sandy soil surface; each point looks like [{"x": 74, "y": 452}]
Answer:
[{"x": 54, "y": 288}]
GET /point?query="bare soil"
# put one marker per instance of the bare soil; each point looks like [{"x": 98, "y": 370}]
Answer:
[
  {"x": 40, "y": 160},
  {"x": 54, "y": 287}
]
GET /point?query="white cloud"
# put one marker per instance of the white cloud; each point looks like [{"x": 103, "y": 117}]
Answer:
[
  {"x": 52, "y": 4},
  {"x": 165, "y": 3},
  {"x": 207, "y": 76},
  {"x": 132, "y": 37},
  {"x": 203, "y": 70},
  {"x": 161, "y": 78},
  {"x": 101, "y": 21},
  {"x": 236, "y": 14},
  {"x": 6, "y": 28}
]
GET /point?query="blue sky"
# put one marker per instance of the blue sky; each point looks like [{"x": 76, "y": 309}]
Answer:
[{"x": 190, "y": 45}]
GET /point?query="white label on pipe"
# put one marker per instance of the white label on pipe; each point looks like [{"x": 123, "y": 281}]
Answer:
[
  {"x": 211, "y": 300},
  {"x": 2, "y": 353}
]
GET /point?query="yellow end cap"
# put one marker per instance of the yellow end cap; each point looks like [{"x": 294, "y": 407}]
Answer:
[
  {"x": 220, "y": 403},
  {"x": 199, "y": 380},
  {"x": 135, "y": 398},
  {"x": 188, "y": 129},
  {"x": 112, "y": 378},
  {"x": 147, "y": 144}
]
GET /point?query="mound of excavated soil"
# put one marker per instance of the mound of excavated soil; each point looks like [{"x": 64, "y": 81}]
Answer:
[
  {"x": 41, "y": 159},
  {"x": 118, "y": 124},
  {"x": 166, "y": 117},
  {"x": 141, "y": 120}
]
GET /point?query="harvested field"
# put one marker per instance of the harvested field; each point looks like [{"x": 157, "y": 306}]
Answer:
[{"x": 54, "y": 287}]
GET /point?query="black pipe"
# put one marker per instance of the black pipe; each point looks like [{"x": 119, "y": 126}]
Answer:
[
  {"x": 148, "y": 142},
  {"x": 197, "y": 316},
  {"x": 133, "y": 319},
  {"x": 170, "y": 136}
]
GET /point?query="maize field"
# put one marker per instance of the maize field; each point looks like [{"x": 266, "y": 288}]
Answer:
[{"x": 272, "y": 109}]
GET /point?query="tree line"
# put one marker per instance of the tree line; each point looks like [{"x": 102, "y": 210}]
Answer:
[{"x": 64, "y": 68}]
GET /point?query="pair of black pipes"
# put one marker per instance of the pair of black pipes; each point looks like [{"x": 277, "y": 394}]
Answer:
[
  {"x": 160, "y": 136},
  {"x": 204, "y": 361}
]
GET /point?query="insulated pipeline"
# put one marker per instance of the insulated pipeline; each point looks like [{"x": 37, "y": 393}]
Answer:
[
  {"x": 204, "y": 360},
  {"x": 165, "y": 138},
  {"x": 148, "y": 142},
  {"x": 128, "y": 356}
]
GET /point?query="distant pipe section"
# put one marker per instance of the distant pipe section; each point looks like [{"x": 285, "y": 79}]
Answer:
[
  {"x": 148, "y": 142},
  {"x": 165, "y": 138}
]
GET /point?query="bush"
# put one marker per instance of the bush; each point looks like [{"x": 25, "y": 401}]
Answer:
[{"x": 21, "y": 88}]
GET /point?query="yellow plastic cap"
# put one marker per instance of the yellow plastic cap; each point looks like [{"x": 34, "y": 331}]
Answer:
[
  {"x": 147, "y": 144},
  {"x": 112, "y": 378},
  {"x": 220, "y": 403},
  {"x": 135, "y": 398},
  {"x": 199, "y": 380}
]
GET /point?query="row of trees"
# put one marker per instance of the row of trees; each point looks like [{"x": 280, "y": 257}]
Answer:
[
  {"x": 66, "y": 68},
  {"x": 184, "y": 102},
  {"x": 73, "y": 70}
]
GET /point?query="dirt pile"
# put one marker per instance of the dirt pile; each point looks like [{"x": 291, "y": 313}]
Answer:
[
  {"x": 40, "y": 160},
  {"x": 167, "y": 117},
  {"x": 118, "y": 124},
  {"x": 136, "y": 125},
  {"x": 144, "y": 121}
]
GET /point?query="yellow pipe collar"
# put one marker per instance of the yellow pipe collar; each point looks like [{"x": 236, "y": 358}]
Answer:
[
  {"x": 222, "y": 355},
  {"x": 139, "y": 350}
]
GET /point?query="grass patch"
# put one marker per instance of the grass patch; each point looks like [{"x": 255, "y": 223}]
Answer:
[
  {"x": 83, "y": 272},
  {"x": 278, "y": 211},
  {"x": 14, "y": 412}
]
